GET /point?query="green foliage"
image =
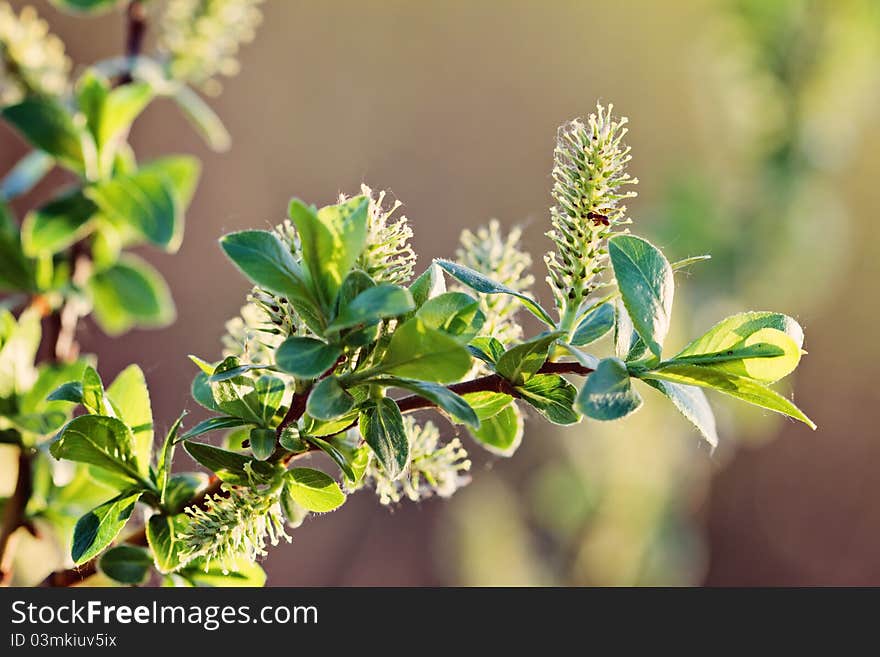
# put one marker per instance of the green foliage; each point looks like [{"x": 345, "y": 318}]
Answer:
[{"x": 337, "y": 344}]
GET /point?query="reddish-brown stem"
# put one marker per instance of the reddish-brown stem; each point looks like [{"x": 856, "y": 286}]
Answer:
[{"x": 136, "y": 15}]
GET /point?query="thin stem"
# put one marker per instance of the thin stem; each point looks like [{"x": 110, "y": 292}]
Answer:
[{"x": 134, "y": 39}]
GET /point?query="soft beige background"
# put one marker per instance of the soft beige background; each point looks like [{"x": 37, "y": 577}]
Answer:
[{"x": 453, "y": 106}]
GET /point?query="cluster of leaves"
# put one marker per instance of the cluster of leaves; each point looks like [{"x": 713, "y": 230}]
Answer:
[{"x": 349, "y": 342}]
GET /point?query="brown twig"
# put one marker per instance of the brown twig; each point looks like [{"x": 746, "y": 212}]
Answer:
[{"x": 136, "y": 15}]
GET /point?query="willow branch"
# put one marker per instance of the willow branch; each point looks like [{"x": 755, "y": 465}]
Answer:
[{"x": 14, "y": 514}]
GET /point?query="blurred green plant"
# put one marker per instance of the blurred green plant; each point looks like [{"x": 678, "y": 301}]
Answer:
[{"x": 335, "y": 322}]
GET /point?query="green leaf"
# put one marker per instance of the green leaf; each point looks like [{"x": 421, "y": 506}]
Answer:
[
  {"x": 121, "y": 107},
  {"x": 416, "y": 351},
  {"x": 201, "y": 392},
  {"x": 102, "y": 441},
  {"x": 144, "y": 202},
  {"x": 333, "y": 451},
  {"x": 264, "y": 259},
  {"x": 25, "y": 175},
  {"x": 644, "y": 278},
  {"x": 748, "y": 338},
  {"x": 127, "y": 564},
  {"x": 269, "y": 391},
  {"x": 428, "y": 285},
  {"x": 477, "y": 281},
  {"x": 594, "y": 325},
  {"x": 262, "y": 443},
  {"x": 181, "y": 172},
  {"x": 628, "y": 346},
  {"x": 328, "y": 400},
  {"x": 48, "y": 127},
  {"x": 314, "y": 490},
  {"x": 687, "y": 262},
  {"x": 93, "y": 396},
  {"x": 131, "y": 293},
  {"x": 237, "y": 396},
  {"x": 306, "y": 358},
  {"x": 294, "y": 514},
  {"x": 231, "y": 467},
  {"x": 501, "y": 433},
  {"x": 163, "y": 538},
  {"x": 373, "y": 304},
  {"x": 740, "y": 387},
  {"x": 692, "y": 403},
  {"x": 203, "y": 118},
  {"x": 16, "y": 271},
  {"x": 214, "y": 424},
  {"x": 234, "y": 372},
  {"x": 332, "y": 239},
  {"x": 240, "y": 572},
  {"x": 552, "y": 396},
  {"x": 487, "y": 349},
  {"x": 58, "y": 224},
  {"x": 444, "y": 398},
  {"x": 454, "y": 313},
  {"x": 96, "y": 530},
  {"x": 131, "y": 398},
  {"x": 166, "y": 455},
  {"x": 486, "y": 403},
  {"x": 381, "y": 426},
  {"x": 19, "y": 342},
  {"x": 71, "y": 391},
  {"x": 608, "y": 393},
  {"x": 524, "y": 360}
]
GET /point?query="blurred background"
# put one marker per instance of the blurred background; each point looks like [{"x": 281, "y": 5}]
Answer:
[{"x": 756, "y": 137}]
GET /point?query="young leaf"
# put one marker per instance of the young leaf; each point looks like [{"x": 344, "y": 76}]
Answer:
[
  {"x": 628, "y": 346},
  {"x": 166, "y": 454},
  {"x": 203, "y": 119},
  {"x": 102, "y": 441},
  {"x": 237, "y": 396},
  {"x": 428, "y": 285},
  {"x": 328, "y": 400},
  {"x": 501, "y": 433},
  {"x": 17, "y": 273},
  {"x": 306, "y": 358},
  {"x": 269, "y": 391},
  {"x": 231, "y": 467},
  {"x": 477, "y": 281},
  {"x": 594, "y": 325},
  {"x": 48, "y": 126},
  {"x": 25, "y": 175},
  {"x": 332, "y": 238},
  {"x": 96, "y": 530},
  {"x": 443, "y": 397},
  {"x": 264, "y": 259},
  {"x": 552, "y": 396},
  {"x": 58, "y": 224},
  {"x": 644, "y": 278},
  {"x": 94, "y": 398},
  {"x": 692, "y": 403},
  {"x": 182, "y": 488},
  {"x": 131, "y": 293},
  {"x": 126, "y": 564},
  {"x": 740, "y": 387},
  {"x": 314, "y": 490},
  {"x": 162, "y": 537},
  {"x": 333, "y": 451},
  {"x": 72, "y": 391},
  {"x": 487, "y": 349},
  {"x": 213, "y": 424},
  {"x": 381, "y": 426},
  {"x": 120, "y": 108},
  {"x": 181, "y": 172},
  {"x": 767, "y": 355},
  {"x": 454, "y": 313},
  {"x": 143, "y": 202},
  {"x": 131, "y": 398},
  {"x": 518, "y": 363},
  {"x": 419, "y": 352},
  {"x": 201, "y": 392},
  {"x": 608, "y": 393},
  {"x": 262, "y": 443},
  {"x": 486, "y": 403},
  {"x": 87, "y": 6},
  {"x": 373, "y": 304}
]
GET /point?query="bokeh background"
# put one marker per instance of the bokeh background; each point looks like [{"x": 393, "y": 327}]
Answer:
[{"x": 756, "y": 136}]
